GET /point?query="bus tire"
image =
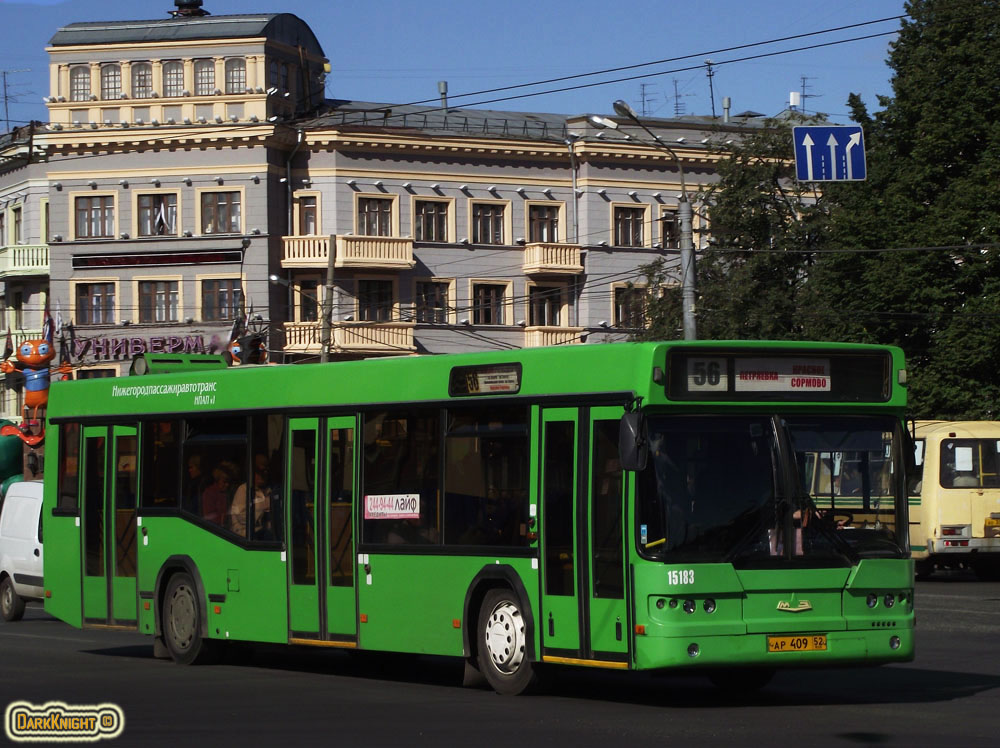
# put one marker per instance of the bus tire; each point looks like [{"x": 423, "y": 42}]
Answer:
[
  {"x": 503, "y": 644},
  {"x": 11, "y": 604},
  {"x": 182, "y": 623}
]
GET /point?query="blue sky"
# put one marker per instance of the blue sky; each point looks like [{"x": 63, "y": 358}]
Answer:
[{"x": 396, "y": 50}]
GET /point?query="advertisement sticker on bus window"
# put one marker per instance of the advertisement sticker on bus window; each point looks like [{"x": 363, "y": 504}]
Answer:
[
  {"x": 782, "y": 375},
  {"x": 392, "y": 506},
  {"x": 963, "y": 458}
]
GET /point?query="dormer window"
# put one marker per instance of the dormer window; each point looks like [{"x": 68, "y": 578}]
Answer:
[
  {"x": 204, "y": 77},
  {"x": 79, "y": 83},
  {"x": 142, "y": 80},
  {"x": 173, "y": 78},
  {"x": 111, "y": 82},
  {"x": 236, "y": 75}
]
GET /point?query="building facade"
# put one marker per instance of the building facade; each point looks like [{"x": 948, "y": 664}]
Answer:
[{"x": 195, "y": 173}]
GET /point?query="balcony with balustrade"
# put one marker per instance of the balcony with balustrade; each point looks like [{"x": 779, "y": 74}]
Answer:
[
  {"x": 537, "y": 337},
  {"x": 552, "y": 258},
  {"x": 360, "y": 252},
  {"x": 24, "y": 260},
  {"x": 369, "y": 338}
]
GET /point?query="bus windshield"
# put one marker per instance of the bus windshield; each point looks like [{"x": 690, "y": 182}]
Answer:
[{"x": 759, "y": 490}]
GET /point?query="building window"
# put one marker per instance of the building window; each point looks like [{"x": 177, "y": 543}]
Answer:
[
  {"x": 487, "y": 223},
  {"x": 544, "y": 305},
  {"x": 111, "y": 82},
  {"x": 375, "y": 300},
  {"x": 3, "y": 228},
  {"x": 308, "y": 300},
  {"x": 204, "y": 77},
  {"x": 487, "y": 303},
  {"x": 18, "y": 305},
  {"x": 236, "y": 76},
  {"x": 272, "y": 74},
  {"x": 543, "y": 223},
  {"x": 284, "y": 77},
  {"x": 431, "y": 223},
  {"x": 79, "y": 83},
  {"x": 308, "y": 215},
  {"x": 220, "y": 213},
  {"x": 630, "y": 304},
  {"x": 15, "y": 219},
  {"x": 173, "y": 78},
  {"x": 374, "y": 216},
  {"x": 221, "y": 299},
  {"x": 628, "y": 226},
  {"x": 158, "y": 215},
  {"x": 142, "y": 80},
  {"x": 157, "y": 301},
  {"x": 95, "y": 217},
  {"x": 671, "y": 233},
  {"x": 95, "y": 374},
  {"x": 432, "y": 302},
  {"x": 95, "y": 303}
]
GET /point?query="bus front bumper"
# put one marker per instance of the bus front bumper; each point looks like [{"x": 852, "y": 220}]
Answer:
[{"x": 875, "y": 647}]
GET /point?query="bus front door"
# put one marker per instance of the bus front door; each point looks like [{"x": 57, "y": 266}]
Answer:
[
  {"x": 109, "y": 526},
  {"x": 583, "y": 613},
  {"x": 321, "y": 584}
]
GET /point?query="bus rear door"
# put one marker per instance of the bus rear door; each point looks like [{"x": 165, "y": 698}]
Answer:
[
  {"x": 583, "y": 617},
  {"x": 109, "y": 526},
  {"x": 321, "y": 583}
]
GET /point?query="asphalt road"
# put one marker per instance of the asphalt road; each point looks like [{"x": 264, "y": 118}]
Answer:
[{"x": 950, "y": 695}]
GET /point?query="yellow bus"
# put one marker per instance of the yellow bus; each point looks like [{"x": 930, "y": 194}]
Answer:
[{"x": 955, "y": 497}]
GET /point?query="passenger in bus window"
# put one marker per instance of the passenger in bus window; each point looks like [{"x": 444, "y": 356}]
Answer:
[
  {"x": 262, "y": 523},
  {"x": 215, "y": 498},
  {"x": 194, "y": 483}
]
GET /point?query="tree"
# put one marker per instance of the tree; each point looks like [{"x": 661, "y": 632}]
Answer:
[
  {"x": 934, "y": 162},
  {"x": 764, "y": 227}
]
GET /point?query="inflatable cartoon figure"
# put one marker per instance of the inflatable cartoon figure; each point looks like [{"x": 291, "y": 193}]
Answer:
[{"x": 33, "y": 357}]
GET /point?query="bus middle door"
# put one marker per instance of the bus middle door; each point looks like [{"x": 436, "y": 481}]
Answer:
[
  {"x": 109, "y": 526},
  {"x": 321, "y": 584}
]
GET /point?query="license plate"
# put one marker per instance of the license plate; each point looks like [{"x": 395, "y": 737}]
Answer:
[
  {"x": 992, "y": 521},
  {"x": 801, "y": 643}
]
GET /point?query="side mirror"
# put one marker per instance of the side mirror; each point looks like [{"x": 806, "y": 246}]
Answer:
[{"x": 632, "y": 442}]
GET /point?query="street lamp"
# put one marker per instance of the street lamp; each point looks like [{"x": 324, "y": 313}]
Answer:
[{"x": 683, "y": 213}]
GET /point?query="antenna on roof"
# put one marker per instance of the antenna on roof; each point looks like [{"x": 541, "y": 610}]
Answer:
[
  {"x": 188, "y": 8},
  {"x": 443, "y": 90}
]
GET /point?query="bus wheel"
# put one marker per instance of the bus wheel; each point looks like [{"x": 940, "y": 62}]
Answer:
[
  {"x": 11, "y": 604},
  {"x": 503, "y": 640},
  {"x": 182, "y": 622}
]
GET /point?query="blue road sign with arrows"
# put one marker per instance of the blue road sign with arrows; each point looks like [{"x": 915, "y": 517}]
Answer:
[{"x": 829, "y": 154}]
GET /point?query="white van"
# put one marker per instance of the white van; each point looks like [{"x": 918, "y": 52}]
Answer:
[{"x": 20, "y": 548}]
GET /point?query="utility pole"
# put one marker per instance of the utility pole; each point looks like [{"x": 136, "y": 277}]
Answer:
[
  {"x": 711, "y": 89},
  {"x": 684, "y": 213},
  {"x": 8, "y": 96},
  {"x": 326, "y": 325}
]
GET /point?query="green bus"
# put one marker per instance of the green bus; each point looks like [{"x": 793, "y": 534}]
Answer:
[{"x": 633, "y": 506}]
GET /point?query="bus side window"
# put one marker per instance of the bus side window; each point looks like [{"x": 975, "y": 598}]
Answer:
[{"x": 161, "y": 463}]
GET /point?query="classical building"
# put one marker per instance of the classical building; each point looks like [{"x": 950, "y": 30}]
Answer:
[{"x": 194, "y": 171}]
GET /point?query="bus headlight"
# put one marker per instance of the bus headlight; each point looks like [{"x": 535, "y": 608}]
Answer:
[
  {"x": 872, "y": 600},
  {"x": 689, "y": 606},
  {"x": 889, "y": 600}
]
